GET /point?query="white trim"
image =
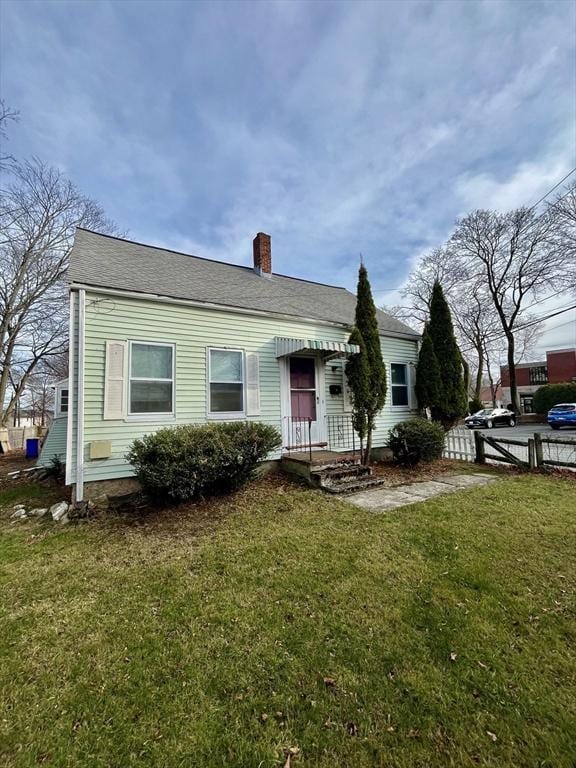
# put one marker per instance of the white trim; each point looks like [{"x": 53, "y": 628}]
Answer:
[
  {"x": 235, "y": 310},
  {"x": 60, "y": 388},
  {"x": 285, "y": 396},
  {"x": 150, "y": 416},
  {"x": 79, "y": 495},
  {"x": 225, "y": 415},
  {"x": 70, "y": 418}
]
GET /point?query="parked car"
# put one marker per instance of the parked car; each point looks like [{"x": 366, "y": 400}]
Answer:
[
  {"x": 562, "y": 415},
  {"x": 492, "y": 417}
]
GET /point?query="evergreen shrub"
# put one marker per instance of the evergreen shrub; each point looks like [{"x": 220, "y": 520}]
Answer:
[
  {"x": 185, "y": 462},
  {"x": 549, "y": 395},
  {"x": 416, "y": 440}
]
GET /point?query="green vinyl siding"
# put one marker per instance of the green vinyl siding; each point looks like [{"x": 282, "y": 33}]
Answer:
[
  {"x": 192, "y": 330},
  {"x": 54, "y": 443}
]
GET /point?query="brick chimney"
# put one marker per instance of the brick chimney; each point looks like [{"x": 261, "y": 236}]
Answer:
[{"x": 262, "y": 255}]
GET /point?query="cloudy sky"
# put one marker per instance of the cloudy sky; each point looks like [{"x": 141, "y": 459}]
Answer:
[{"x": 338, "y": 128}]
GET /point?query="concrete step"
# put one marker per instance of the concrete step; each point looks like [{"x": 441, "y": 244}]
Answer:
[
  {"x": 337, "y": 471},
  {"x": 352, "y": 485}
]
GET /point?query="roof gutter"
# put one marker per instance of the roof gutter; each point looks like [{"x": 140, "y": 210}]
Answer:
[{"x": 226, "y": 308}]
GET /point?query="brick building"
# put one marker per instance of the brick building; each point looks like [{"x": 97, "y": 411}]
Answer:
[{"x": 558, "y": 368}]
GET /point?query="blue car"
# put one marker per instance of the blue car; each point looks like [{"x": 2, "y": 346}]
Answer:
[{"x": 562, "y": 415}]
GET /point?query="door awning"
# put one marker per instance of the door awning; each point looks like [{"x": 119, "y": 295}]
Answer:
[{"x": 286, "y": 346}]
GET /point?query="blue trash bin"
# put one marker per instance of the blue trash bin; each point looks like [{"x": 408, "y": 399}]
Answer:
[{"x": 32, "y": 444}]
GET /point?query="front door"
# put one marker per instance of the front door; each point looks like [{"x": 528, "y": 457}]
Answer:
[{"x": 305, "y": 403}]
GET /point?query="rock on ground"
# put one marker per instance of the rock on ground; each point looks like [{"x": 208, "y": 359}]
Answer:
[
  {"x": 38, "y": 512},
  {"x": 59, "y": 511}
]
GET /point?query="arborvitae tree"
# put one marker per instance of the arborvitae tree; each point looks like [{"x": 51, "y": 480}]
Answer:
[
  {"x": 452, "y": 402},
  {"x": 367, "y": 325},
  {"x": 357, "y": 375},
  {"x": 428, "y": 380}
]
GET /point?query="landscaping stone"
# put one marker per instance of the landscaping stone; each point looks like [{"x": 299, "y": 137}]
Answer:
[
  {"x": 101, "y": 501},
  {"x": 59, "y": 510},
  {"x": 384, "y": 499},
  {"x": 38, "y": 512}
]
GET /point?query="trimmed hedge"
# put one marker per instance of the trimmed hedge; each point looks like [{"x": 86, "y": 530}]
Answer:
[
  {"x": 549, "y": 395},
  {"x": 416, "y": 440},
  {"x": 198, "y": 460}
]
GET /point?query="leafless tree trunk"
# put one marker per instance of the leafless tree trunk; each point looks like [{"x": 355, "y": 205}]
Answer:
[{"x": 39, "y": 212}]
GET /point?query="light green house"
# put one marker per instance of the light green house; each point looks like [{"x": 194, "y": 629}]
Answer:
[{"x": 160, "y": 338}]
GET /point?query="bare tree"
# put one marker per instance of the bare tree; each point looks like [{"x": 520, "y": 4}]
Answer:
[
  {"x": 6, "y": 115},
  {"x": 440, "y": 266},
  {"x": 564, "y": 211},
  {"x": 526, "y": 339},
  {"x": 39, "y": 212},
  {"x": 470, "y": 305},
  {"x": 513, "y": 256},
  {"x": 38, "y": 397}
]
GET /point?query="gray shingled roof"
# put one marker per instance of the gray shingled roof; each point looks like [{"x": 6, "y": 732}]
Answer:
[{"x": 109, "y": 262}]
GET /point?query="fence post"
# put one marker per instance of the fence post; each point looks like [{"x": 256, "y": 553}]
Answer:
[
  {"x": 538, "y": 449},
  {"x": 479, "y": 448},
  {"x": 531, "y": 453}
]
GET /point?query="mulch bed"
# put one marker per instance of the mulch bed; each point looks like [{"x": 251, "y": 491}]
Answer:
[
  {"x": 10, "y": 462},
  {"x": 396, "y": 475}
]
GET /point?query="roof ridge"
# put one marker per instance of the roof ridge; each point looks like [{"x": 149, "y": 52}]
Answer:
[{"x": 204, "y": 258}]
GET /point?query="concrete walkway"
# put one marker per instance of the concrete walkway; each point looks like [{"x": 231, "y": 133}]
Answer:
[{"x": 382, "y": 499}]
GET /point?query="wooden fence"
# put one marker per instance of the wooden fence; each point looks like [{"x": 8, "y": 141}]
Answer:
[
  {"x": 538, "y": 452},
  {"x": 14, "y": 438}
]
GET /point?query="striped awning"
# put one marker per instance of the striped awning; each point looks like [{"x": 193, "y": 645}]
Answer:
[{"x": 286, "y": 346}]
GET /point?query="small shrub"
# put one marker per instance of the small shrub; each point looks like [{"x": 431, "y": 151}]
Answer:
[
  {"x": 56, "y": 468},
  {"x": 549, "y": 395},
  {"x": 475, "y": 405},
  {"x": 198, "y": 460},
  {"x": 416, "y": 440}
]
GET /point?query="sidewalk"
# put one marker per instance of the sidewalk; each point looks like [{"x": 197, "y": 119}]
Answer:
[{"x": 383, "y": 499}]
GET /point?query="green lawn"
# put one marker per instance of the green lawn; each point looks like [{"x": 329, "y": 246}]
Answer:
[{"x": 441, "y": 634}]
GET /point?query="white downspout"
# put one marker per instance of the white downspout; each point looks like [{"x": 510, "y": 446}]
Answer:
[
  {"x": 71, "y": 398},
  {"x": 80, "y": 390}
]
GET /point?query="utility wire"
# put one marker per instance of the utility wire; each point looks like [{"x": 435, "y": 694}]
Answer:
[
  {"x": 553, "y": 188},
  {"x": 534, "y": 321}
]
